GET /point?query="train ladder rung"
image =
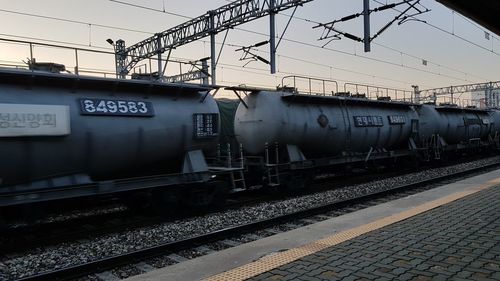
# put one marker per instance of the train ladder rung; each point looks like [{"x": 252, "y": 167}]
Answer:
[
  {"x": 427, "y": 155},
  {"x": 239, "y": 179},
  {"x": 274, "y": 175}
]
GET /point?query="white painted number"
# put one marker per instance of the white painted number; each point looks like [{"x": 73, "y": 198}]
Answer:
[
  {"x": 142, "y": 107},
  {"x": 122, "y": 106},
  {"x": 112, "y": 108},
  {"x": 89, "y": 106},
  {"x": 132, "y": 107},
  {"x": 101, "y": 107}
]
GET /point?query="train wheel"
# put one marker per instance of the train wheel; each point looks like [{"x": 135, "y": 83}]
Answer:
[
  {"x": 3, "y": 224},
  {"x": 166, "y": 201},
  {"x": 296, "y": 181},
  {"x": 139, "y": 202},
  {"x": 31, "y": 213},
  {"x": 220, "y": 193},
  {"x": 212, "y": 194}
]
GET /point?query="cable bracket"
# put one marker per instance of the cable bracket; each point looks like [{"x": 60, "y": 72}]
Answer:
[{"x": 330, "y": 31}]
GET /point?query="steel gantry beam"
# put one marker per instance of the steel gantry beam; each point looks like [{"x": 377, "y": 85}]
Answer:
[
  {"x": 209, "y": 24},
  {"x": 490, "y": 97},
  {"x": 461, "y": 89}
]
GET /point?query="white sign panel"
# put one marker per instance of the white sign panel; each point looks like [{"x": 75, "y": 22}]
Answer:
[{"x": 17, "y": 120}]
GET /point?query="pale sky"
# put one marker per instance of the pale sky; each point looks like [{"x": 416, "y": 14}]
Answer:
[{"x": 450, "y": 59}]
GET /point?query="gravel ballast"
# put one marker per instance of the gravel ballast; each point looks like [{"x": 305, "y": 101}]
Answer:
[{"x": 77, "y": 252}]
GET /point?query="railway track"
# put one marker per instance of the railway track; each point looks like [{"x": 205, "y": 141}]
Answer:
[
  {"x": 45, "y": 234},
  {"x": 28, "y": 237},
  {"x": 338, "y": 207}
]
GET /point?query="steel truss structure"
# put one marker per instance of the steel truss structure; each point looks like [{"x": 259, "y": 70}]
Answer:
[
  {"x": 491, "y": 98},
  {"x": 461, "y": 89},
  {"x": 209, "y": 24}
]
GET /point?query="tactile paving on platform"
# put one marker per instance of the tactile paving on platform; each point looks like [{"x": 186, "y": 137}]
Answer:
[{"x": 276, "y": 260}]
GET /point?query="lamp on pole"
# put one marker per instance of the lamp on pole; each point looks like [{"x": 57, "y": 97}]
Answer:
[{"x": 112, "y": 43}]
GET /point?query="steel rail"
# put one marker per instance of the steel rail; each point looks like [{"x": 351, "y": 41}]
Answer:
[
  {"x": 46, "y": 234},
  {"x": 136, "y": 256}
]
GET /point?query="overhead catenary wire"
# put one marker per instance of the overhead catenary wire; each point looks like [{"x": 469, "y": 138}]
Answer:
[
  {"x": 379, "y": 44},
  {"x": 450, "y": 33},
  {"x": 186, "y": 17},
  {"x": 150, "y": 9},
  {"x": 331, "y": 67},
  {"x": 402, "y": 52},
  {"x": 145, "y": 32},
  {"x": 74, "y": 21},
  {"x": 238, "y": 68},
  {"x": 364, "y": 57},
  {"x": 294, "y": 41},
  {"x": 241, "y": 29},
  {"x": 69, "y": 45},
  {"x": 487, "y": 34},
  {"x": 233, "y": 67},
  {"x": 43, "y": 41},
  {"x": 107, "y": 50},
  {"x": 492, "y": 35},
  {"x": 331, "y": 49},
  {"x": 428, "y": 61}
]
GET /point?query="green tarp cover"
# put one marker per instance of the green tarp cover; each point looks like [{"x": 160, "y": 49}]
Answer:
[{"x": 227, "y": 111}]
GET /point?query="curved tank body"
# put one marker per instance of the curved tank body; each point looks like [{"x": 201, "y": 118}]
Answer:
[
  {"x": 453, "y": 124},
  {"x": 53, "y": 125},
  {"x": 321, "y": 126}
]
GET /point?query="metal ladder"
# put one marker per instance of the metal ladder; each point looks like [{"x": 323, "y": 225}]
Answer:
[
  {"x": 435, "y": 146},
  {"x": 238, "y": 182},
  {"x": 273, "y": 176},
  {"x": 426, "y": 143}
]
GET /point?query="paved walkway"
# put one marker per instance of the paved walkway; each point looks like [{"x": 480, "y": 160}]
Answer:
[
  {"x": 457, "y": 241},
  {"x": 418, "y": 237}
]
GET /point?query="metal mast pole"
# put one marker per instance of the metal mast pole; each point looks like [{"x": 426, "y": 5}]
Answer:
[
  {"x": 209, "y": 24},
  {"x": 213, "y": 66},
  {"x": 120, "y": 56},
  {"x": 159, "y": 55},
  {"x": 416, "y": 94},
  {"x": 272, "y": 35},
  {"x": 366, "y": 15},
  {"x": 488, "y": 96},
  {"x": 204, "y": 68}
]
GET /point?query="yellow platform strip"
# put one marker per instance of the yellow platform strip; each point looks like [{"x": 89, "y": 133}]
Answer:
[{"x": 278, "y": 259}]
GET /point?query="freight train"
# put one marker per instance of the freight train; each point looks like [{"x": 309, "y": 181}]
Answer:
[{"x": 68, "y": 136}]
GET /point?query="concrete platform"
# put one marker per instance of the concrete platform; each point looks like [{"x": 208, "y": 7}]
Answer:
[{"x": 409, "y": 238}]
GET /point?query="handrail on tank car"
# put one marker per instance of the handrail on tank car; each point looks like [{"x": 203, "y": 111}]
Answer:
[
  {"x": 386, "y": 92},
  {"x": 462, "y": 102},
  {"x": 356, "y": 86},
  {"x": 310, "y": 80},
  {"x": 77, "y": 51}
]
